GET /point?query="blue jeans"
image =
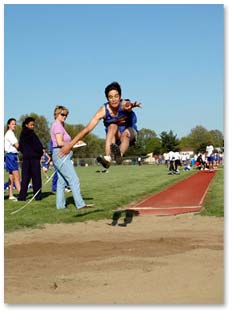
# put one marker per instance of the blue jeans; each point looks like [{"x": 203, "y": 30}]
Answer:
[
  {"x": 54, "y": 181},
  {"x": 66, "y": 176}
]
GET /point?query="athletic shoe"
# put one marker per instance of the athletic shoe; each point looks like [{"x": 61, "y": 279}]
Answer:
[
  {"x": 100, "y": 159},
  {"x": 87, "y": 206},
  {"x": 67, "y": 190},
  {"x": 13, "y": 198},
  {"x": 116, "y": 152}
]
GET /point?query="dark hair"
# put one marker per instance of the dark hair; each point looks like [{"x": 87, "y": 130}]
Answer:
[
  {"x": 27, "y": 120},
  {"x": 113, "y": 86},
  {"x": 9, "y": 121}
]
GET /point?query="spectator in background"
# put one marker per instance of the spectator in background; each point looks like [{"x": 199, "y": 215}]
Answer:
[
  {"x": 200, "y": 162},
  {"x": 32, "y": 150},
  {"x": 45, "y": 162},
  {"x": 171, "y": 156},
  {"x": 209, "y": 156},
  {"x": 221, "y": 158},
  {"x": 177, "y": 161},
  {"x": 216, "y": 159},
  {"x": 156, "y": 159},
  {"x": 166, "y": 159},
  {"x": 11, "y": 146}
]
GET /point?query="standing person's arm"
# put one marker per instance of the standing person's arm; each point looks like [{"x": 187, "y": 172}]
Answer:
[
  {"x": 48, "y": 157},
  {"x": 16, "y": 145},
  {"x": 36, "y": 144},
  {"x": 15, "y": 142},
  {"x": 100, "y": 114}
]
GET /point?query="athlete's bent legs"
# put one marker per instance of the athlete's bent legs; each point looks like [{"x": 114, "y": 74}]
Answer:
[
  {"x": 125, "y": 141},
  {"x": 111, "y": 137}
]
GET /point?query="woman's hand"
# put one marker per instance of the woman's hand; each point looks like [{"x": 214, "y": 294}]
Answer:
[{"x": 65, "y": 150}]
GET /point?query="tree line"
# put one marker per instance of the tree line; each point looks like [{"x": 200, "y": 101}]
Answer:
[{"x": 148, "y": 141}]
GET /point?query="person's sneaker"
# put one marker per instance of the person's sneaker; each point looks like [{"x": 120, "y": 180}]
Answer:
[
  {"x": 105, "y": 163},
  {"x": 87, "y": 206},
  {"x": 67, "y": 190},
  {"x": 116, "y": 152},
  {"x": 13, "y": 198}
]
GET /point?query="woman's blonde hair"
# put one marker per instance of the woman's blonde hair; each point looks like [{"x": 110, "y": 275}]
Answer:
[{"x": 59, "y": 109}]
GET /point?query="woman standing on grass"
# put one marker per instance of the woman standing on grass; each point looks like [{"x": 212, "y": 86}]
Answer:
[
  {"x": 11, "y": 158},
  {"x": 32, "y": 149},
  {"x": 67, "y": 175}
]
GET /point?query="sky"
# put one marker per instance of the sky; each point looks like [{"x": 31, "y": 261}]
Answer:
[{"x": 170, "y": 57}]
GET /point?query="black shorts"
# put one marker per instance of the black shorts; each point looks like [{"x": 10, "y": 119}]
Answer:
[{"x": 133, "y": 135}]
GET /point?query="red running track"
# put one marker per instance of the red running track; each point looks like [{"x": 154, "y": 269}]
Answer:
[{"x": 182, "y": 197}]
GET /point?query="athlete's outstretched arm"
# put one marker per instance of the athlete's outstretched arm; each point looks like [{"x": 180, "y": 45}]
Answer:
[
  {"x": 128, "y": 105},
  {"x": 89, "y": 127}
]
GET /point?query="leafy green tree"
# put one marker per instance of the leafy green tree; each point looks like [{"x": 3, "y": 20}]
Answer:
[
  {"x": 169, "y": 142},
  {"x": 147, "y": 142},
  {"x": 154, "y": 145},
  {"x": 95, "y": 145},
  {"x": 199, "y": 138},
  {"x": 185, "y": 142},
  {"x": 217, "y": 138}
]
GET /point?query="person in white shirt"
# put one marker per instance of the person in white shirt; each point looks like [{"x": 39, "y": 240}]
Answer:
[
  {"x": 171, "y": 156},
  {"x": 166, "y": 159},
  {"x": 210, "y": 157},
  {"x": 177, "y": 161},
  {"x": 11, "y": 158}
]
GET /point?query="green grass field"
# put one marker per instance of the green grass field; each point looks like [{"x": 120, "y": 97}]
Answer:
[
  {"x": 214, "y": 201},
  {"x": 108, "y": 191}
]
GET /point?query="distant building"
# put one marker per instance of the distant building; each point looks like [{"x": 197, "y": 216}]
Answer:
[
  {"x": 150, "y": 159},
  {"x": 187, "y": 151}
]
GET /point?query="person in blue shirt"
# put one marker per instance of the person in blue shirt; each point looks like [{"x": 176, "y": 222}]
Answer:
[
  {"x": 45, "y": 162},
  {"x": 120, "y": 124}
]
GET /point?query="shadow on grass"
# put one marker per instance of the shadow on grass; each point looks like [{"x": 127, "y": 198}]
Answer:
[
  {"x": 70, "y": 200},
  {"x": 47, "y": 194},
  {"x": 83, "y": 214},
  {"x": 30, "y": 195}
]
